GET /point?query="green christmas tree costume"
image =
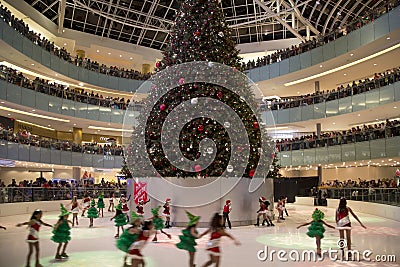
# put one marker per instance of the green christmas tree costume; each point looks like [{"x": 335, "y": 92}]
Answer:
[
  {"x": 92, "y": 211},
  {"x": 157, "y": 220},
  {"x": 187, "y": 240},
  {"x": 126, "y": 239},
  {"x": 100, "y": 202},
  {"x": 120, "y": 219},
  {"x": 62, "y": 234},
  {"x": 316, "y": 228}
]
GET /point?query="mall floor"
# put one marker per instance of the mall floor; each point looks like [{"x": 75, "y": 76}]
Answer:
[{"x": 95, "y": 246}]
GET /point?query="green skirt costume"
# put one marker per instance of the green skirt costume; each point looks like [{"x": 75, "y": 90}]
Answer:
[
  {"x": 62, "y": 234},
  {"x": 92, "y": 213},
  {"x": 126, "y": 240},
  {"x": 316, "y": 229},
  {"x": 120, "y": 220},
  {"x": 187, "y": 241},
  {"x": 100, "y": 204},
  {"x": 158, "y": 223}
]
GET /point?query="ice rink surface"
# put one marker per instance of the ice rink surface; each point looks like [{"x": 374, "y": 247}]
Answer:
[{"x": 95, "y": 247}]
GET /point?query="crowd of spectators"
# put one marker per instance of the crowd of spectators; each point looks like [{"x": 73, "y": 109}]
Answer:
[
  {"x": 26, "y": 138},
  {"x": 386, "y": 129},
  {"x": 359, "y": 183},
  {"x": 41, "y": 189},
  {"x": 364, "y": 85},
  {"x": 320, "y": 39},
  {"x": 38, "y": 39},
  {"x": 58, "y": 90}
]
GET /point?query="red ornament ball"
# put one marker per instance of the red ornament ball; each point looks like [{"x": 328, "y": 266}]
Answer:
[
  {"x": 255, "y": 125},
  {"x": 220, "y": 94},
  {"x": 197, "y": 33},
  {"x": 158, "y": 64},
  {"x": 181, "y": 81},
  {"x": 200, "y": 128},
  {"x": 251, "y": 173},
  {"x": 163, "y": 107}
]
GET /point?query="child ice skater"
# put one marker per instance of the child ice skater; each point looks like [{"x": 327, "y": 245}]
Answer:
[
  {"x": 33, "y": 238},
  {"x": 167, "y": 213},
  {"x": 158, "y": 223},
  {"x": 343, "y": 221},
  {"x": 85, "y": 204},
  {"x": 134, "y": 251},
  {"x": 316, "y": 228},
  {"x": 111, "y": 201},
  {"x": 119, "y": 219},
  {"x": 75, "y": 210},
  {"x": 61, "y": 233},
  {"x": 130, "y": 235},
  {"x": 92, "y": 212},
  {"x": 217, "y": 231},
  {"x": 188, "y": 238},
  {"x": 100, "y": 204}
]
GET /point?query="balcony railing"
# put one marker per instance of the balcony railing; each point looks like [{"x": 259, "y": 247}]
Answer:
[
  {"x": 364, "y": 150},
  {"x": 389, "y": 196},
  {"x": 31, "y": 194}
]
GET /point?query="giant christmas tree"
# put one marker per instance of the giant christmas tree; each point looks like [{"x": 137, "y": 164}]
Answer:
[{"x": 200, "y": 34}]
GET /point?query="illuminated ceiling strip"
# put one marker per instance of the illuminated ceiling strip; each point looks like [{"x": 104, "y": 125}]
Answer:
[
  {"x": 344, "y": 66},
  {"x": 109, "y": 129},
  {"x": 37, "y": 125},
  {"x": 32, "y": 114}
]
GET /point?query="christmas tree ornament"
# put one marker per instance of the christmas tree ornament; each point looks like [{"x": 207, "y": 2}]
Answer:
[
  {"x": 194, "y": 101},
  {"x": 163, "y": 107}
]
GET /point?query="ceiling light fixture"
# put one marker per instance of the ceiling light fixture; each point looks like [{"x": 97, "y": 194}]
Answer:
[
  {"x": 108, "y": 129},
  {"x": 344, "y": 66},
  {"x": 36, "y": 125},
  {"x": 33, "y": 114}
]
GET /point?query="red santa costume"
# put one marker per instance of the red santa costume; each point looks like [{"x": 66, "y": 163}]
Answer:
[
  {"x": 33, "y": 235},
  {"x": 343, "y": 220},
  {"x": 263, "y": 207},
  {"x": 134, "y": 250},
  {"x": 86, "y": 202},
  {"x": 75, "y": 208},
  {"x": 124, "y": 203},
  {"x": 213, "y": 244},
  {"x": 139, "y": 208},
  {"x": 167, "y": 212}
]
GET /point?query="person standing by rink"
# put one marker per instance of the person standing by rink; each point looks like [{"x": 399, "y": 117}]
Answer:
[
  {"x": 226, "y": 211},
  {"x": 75, "y": 210}
]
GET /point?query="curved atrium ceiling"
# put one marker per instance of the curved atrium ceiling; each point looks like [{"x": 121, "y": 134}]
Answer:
[{"x": 147, "y": 22}]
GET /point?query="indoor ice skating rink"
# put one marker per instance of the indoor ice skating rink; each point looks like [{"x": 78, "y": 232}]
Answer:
[{"x": 94, "y": 247}]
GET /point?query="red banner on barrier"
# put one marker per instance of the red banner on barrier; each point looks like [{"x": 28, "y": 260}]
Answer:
[{"x": 140, "y": 192}]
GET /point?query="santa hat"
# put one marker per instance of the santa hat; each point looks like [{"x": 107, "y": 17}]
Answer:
[
  {"x": 262, "y": 199},
  {"x": 227, "y": 202},
  {"x": 141, "y": 200},
  {"x": 168, "y": 200}
]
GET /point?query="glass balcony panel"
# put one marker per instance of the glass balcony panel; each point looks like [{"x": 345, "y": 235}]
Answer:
[
  {"x": 386, "y": 94},
  {"x": 286, "y": 158},
  {"x": 68, "y": 107},
  {"x": 56, "y": 157},
  {"x": 66, "y": 157},
  {"x": 332, "y": 108},
  {"x": 305, "y": 60},
  {"x": 372, "y": 99},
  {"x": 381, "y": 26},
  {"x": 317, "y": 55},
  {"x": 283, "y": 67},
  {"x": 348, "y": 152},
  {"x": 297, "y": 158},
  {"x": 283, "y": 116},
  {"x": 295, "y": 114},
  {"x": 345, "y": 105},
  {"x": 340, "y": 46},
  {"x": 362, "y": 150},
  {"x": 45, "y": 156},
  {"x": 29, "y": 98},
  {"x": 392, "y": 146},
  {"x": 321, "y": 155},
  {"x": 319, "y": 111},
  {"x": 378, "y": 148},
  {"x": 358, "y": 102},
  {"x": 309, "y": 156},
  {"x": 367, "y": 34},
  {"x": 335, "y": 154},
  {"x": 329, "y": 51},
  {"x": 294, "y": 65},
  {"x": 13, "y": 93}
]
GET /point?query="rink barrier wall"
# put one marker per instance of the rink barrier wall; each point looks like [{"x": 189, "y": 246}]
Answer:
[
  {"x": 11, "y": 209},
  {"x": 380, "y": 210}
]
